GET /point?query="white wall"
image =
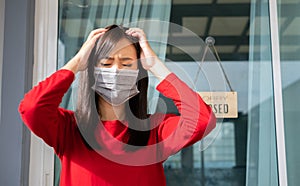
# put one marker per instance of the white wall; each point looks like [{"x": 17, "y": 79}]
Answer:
[
  {"x": 16, "y": 79},
  {"x": 2, "y": 11},
  {"x": 41, "y": 168}
]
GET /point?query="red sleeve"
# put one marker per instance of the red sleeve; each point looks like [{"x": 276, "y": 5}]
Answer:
[
  {"x": 40, "y": 109},
  {"x": 196, "y": 118}
]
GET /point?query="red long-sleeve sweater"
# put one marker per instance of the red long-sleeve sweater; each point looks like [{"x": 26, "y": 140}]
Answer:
[{"x": 112, "y": 165}]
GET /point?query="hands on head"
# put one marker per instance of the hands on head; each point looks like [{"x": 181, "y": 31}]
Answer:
[{"x": 148, "y": 58}]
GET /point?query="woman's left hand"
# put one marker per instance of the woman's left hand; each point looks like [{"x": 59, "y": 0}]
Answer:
[
  {"x": 148, "y": 56},
  {"x": 149, "y": 59}
]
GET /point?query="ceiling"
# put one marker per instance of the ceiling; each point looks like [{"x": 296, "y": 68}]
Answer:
[
  {"x": 225, "y": 20},
  {"x": 228, "y": 21}
]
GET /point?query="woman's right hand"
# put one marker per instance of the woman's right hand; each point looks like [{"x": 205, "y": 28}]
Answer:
[{"x": 80, "y": 61}]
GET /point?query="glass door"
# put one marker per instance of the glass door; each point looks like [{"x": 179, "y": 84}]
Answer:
[
  {"x": 222, "y": 160},
  {"x": 289, "y": 25},
  {"x": 242, "y": 150}
]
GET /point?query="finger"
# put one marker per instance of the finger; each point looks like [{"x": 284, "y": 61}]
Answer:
[
  {"x": 132, "y": 30},
  {"x": 98, "y": 30},
  {"x": 94, "y": 38},
  {"x": 129, "y": 32},
  {"x": 137, "y": 33},
  {"x": 95, "y": 32},
  {"x": 91, "y": 42}
]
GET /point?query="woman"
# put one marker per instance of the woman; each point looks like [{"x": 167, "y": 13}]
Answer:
[{"x": 110, "y": 139}]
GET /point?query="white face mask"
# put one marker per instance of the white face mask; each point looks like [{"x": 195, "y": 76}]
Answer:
[{"x": 115, "y": 86}]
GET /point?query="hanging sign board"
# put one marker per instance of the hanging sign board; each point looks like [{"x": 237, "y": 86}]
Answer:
[{"x": 223, "y": 104}]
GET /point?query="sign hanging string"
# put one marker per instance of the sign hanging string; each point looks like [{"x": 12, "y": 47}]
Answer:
[{"x": 210, "y": 43}]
